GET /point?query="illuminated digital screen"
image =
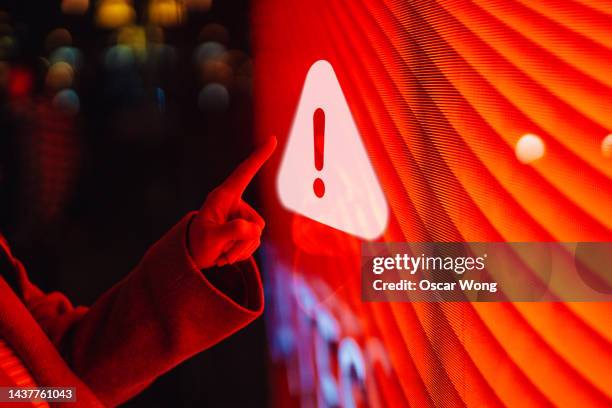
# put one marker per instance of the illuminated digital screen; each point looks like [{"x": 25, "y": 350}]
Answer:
[{"x": 483, "y": 121}]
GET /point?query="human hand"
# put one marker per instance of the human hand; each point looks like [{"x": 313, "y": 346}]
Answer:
[{"x": 227, "y": 229}]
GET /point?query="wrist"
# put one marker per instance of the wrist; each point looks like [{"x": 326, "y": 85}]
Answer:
[{"x": 190, "y": 239}]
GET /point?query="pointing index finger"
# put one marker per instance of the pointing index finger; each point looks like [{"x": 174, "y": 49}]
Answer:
[{"x": 238, "y": 181}]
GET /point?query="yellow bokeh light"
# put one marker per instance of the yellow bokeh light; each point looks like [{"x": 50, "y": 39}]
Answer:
[
  {"x": 166, "y": 13},
  {"x": 134, "y": 37},
  {"x": 114, "y": 13}
]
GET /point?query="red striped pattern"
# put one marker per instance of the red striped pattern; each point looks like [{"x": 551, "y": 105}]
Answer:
[{"x": 441, "y": 92}]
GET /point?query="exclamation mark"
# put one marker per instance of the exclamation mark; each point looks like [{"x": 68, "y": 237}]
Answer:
[{"x": 318, "y": 122}]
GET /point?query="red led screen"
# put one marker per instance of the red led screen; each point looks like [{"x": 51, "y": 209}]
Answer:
[{"x": 484, "y": 121}]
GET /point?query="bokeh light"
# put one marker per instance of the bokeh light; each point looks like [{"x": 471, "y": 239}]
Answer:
[
  {"x": 166, "y": 13},
  {"x": 214, "y": 97},
  {"x": 78, "y": 7},
  {"x": 20, "y": 82},
  {"x": 59, "y": 37},
  {"x": 135, "y": 38},
  {"x": 214, "y": 32},
  {"x": 67, "y": 101},
  {"x": 69, "y": 55},
  {"x": 7, "y": 46},
  {"x": 216, "y": 71},
  {"x": 60, "y": 75},
  {"x": 114, "y": 13},
  {"x": 119, "y": 57},
  {"x": 207, "y": 51},
  {"x": 160, "y": 97}
]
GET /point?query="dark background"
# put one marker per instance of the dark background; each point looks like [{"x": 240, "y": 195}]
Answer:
[{"x": 84, "y": 195}]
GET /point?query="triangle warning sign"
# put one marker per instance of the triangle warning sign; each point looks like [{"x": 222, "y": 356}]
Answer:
[{"x": 325, "y": 173}]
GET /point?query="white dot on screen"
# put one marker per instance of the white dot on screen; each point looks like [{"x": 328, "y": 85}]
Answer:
[
  {"x": 529, "y": 148},
  {"x": 606, "y": 146}
]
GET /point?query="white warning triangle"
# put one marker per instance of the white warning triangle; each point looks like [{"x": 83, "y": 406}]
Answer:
[{"x": 353, "y": 200}]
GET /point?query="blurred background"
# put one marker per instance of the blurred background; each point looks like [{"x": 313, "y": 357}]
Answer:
[{"x": 116, "y": 118}]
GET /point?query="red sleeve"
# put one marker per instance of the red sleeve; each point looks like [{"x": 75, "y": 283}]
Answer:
[{"x": 163, "y": 312}]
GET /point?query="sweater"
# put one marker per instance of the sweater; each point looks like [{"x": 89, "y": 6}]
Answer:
[{"x": 163, "y": 312}]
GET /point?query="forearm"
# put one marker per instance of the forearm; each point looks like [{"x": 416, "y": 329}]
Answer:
[{"x": 163, "y": 312}]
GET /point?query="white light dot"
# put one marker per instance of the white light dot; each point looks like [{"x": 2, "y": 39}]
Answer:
[
  {"x": 606, "y": 146},
  {"x": 529, "y": 148}
]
